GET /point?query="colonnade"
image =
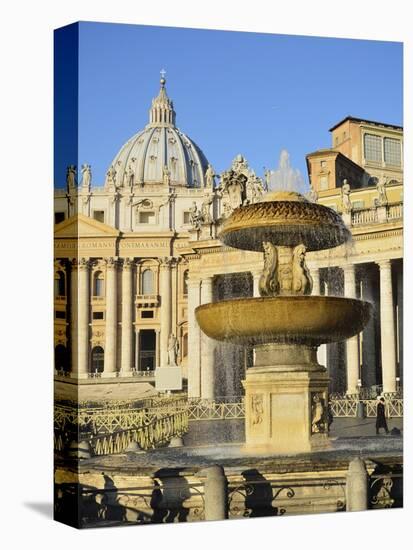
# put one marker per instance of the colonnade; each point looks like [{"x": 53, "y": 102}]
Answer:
[
  {"x": 81, "y": 296},
  {"x": 388, "y": 336},
  {"x": 201, "y": 356},
  {"x": 201, "y": 376}
]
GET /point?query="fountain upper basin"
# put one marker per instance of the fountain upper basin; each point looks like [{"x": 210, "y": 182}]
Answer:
[
  {"x": 305, "y": 320},
  {"x": 284, "y": 219}
]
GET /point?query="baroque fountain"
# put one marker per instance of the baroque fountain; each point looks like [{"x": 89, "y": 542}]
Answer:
[{"x": 286, "y": 391}]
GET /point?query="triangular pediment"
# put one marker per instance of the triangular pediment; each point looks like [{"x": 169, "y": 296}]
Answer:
[{"x": 79, "y": 226}]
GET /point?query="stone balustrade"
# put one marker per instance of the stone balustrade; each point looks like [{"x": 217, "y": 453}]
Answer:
[{"x": 365, "y": 216}]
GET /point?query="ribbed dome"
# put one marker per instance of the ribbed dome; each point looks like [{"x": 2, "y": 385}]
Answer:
[{"x": 160, "y": 153}]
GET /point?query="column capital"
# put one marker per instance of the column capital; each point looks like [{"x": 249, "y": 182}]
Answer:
[
  {"x": 384, "y": 264},
  {"x": 127, "y": 263},
  {"x": 166, "y": 262},
  {"x": 192, "y": 282},
  {"x": 349, "y": 268},
  {"x": 111, "y": 262},
  {"x": 80, "y": 263},
  {"x": 207, "y": 280}
]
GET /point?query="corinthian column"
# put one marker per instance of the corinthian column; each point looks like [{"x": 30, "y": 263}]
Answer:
[
  {"x": 388, "y": 341},
  {"x": 352, "y": 344},
  {"x": 80, "y": 316},
  {"x": 166, "y": 308},
  {"x": 194, "y": 340},
  {"x": 111, "y": 318},
  {"x": 207, "y": 347},
  {"x": 74, "y": 343},
  {"x": 127, "y": 328}
]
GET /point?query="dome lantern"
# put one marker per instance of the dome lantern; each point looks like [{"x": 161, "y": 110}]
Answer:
[{"x": 162, "y": 110}]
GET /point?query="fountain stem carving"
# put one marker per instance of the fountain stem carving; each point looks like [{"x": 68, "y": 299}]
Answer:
[
  {"x": 285, "y": 271},
  {"x": 268, "y": 283}
]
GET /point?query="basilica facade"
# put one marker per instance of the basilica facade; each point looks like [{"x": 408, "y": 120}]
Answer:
[{"x": 135, "y": 257}]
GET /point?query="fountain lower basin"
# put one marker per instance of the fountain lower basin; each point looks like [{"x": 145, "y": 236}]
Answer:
[{"x": 308, "y": 320}]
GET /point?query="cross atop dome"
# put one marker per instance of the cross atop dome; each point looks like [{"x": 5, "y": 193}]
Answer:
[{"x": 162, "y": 111}]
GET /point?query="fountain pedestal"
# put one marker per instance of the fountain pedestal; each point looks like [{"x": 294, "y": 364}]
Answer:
[{"x": 286, "y": 400}]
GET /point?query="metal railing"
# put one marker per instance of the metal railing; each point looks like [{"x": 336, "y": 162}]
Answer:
[
  {"x": 176, "y": 496},
  {"x": 348, "y": 407},
  {"x": 112, "y": 430},
  {"x": 220, "y": 408}
]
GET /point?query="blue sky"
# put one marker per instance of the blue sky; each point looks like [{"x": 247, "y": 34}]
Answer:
[{"x": 233, "y": 92}]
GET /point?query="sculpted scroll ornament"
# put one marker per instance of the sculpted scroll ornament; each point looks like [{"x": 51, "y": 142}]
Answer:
[
  {"x": 285, "y": 271},
  {"x": 302, "y": 280},
  {"x": 239, "y": 186},
  {"x": 268, "y": 283}
]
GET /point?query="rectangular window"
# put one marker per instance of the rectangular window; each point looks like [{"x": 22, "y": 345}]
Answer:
[
  {"x": 392, "y": 151},
  {"x": 187, "y": 218},
  {"x": 97, "y": 315},
  {"x": 147, "y": 314},
  {"x": 99, "y": 215},
  {"x": 323, "y": 164},
  {"x": 372, "y": 148},
  {"x": 147, "y": 217},
  {"x": 60, "y": 314},
  {"x": 59, "y": 217}
]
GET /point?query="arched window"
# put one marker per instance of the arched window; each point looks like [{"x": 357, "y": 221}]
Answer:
[
  {"x": 185, "y": 282},
  {"x": 59, "y": 284},
  {"x": 147, "y": 282},
  {"x": 98, "y": 357},
  {"x": 98, "y": 284}
]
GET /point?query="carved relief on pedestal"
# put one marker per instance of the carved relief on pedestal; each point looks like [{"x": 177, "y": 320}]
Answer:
[
  {"x": 257, "y": 408},
  {"x": 318, "y": 413}
]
